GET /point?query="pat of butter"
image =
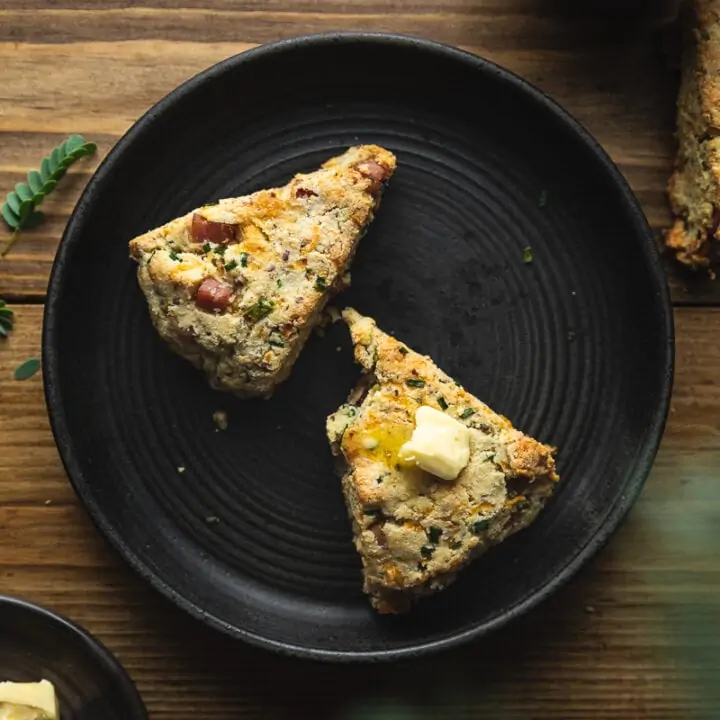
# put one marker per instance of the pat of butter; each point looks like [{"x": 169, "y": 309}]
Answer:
[
  {"x": 439, "y": 444},
  {"x": 28, "y": 701}
]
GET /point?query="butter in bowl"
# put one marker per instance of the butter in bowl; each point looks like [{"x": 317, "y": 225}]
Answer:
[{"x": 28, "y": 701}]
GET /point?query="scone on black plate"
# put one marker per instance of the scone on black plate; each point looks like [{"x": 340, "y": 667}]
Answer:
[
  {"x": 432, "y": 476},
  {"x": 236, "y": 287}
]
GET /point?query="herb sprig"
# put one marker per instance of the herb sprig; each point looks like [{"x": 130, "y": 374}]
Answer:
[
  {"x": 20, "y": 208},
  {"x": 7, "y": 317}
]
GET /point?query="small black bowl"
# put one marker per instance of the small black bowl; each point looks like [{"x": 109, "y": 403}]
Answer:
[{"x": 37, "y": 644}]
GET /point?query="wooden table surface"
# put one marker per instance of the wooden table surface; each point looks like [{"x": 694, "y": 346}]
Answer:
[{"x": 635, "y": 637}]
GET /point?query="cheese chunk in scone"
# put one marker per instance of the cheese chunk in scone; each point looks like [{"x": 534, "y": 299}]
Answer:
[
  {"x": 236, "y": 287},
  {"x": 415, "y": 530}
]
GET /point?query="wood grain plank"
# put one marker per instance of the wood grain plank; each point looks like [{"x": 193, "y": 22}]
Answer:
[
  {"x": 358, "y": 6},
  {"x": 635, "y": 637},
  {"x": 99, "y": 89},
  {"x": 555, "y": 8},
  {"x": 257, "y": 24}
]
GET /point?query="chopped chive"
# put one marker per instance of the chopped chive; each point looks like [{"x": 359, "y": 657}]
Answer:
[
  {"x": 174, "y": 256},
  {"x": 320, "y": 283},
  {"x": 455, "y": 545},
  {"x": 434, "y": 534},
  {"x": 276, "y": 342},
  {"x": 231, "y": 265},
  {"x": 207, "y": 247},
  {"x": 527, "y": 255},
  {"x": 243, "y": 259},
  {"x": 466, "y": 413},
  {"x": 427, "y": 551},
  {"x": 260, "y": 309},
  {"x": 415, "y": 382},
  {"x": 479, "y": 525},
  {"x": 403, "y": 350},
  {"x": 279, "y": 282},
  {"x": 220, "y": 250},
  {"x": 442, "y": 402}
]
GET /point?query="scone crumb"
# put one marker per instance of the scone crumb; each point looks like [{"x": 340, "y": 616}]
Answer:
[{"x": 220, "y": 418}]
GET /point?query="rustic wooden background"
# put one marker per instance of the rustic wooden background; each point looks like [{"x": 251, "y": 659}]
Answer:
[{"x": 635, "y": 637}]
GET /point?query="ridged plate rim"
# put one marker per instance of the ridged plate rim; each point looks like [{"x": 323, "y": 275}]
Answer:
[{"x": 641, "y": 231}]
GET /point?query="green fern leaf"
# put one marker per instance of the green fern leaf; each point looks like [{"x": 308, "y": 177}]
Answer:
[
  {"x": 23, "y": 192},
  {"x": 34, "y": 181},
  {"x": 55, "y": 158},
  {"x": 73, "y": 143},
  {"x": 26, "y": 370},
  {"x": 6, "y": 319},
  {"x": 10, "y": 217},
  {"x": 20, "y": 208},
  {"x": 25, "y": 209},
  {"x": 14, "y": 202}
]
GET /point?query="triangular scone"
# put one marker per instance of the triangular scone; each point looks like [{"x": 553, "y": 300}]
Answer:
[
  {"x": 413, "y": 530},
  {"x": 236, "y": 287}
]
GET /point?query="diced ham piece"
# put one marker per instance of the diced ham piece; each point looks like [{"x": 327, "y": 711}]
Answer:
[
  {"x": 213, "y": 295},
  {"x": 203, "y": 230},
  {"x": 375, "y": 172}
]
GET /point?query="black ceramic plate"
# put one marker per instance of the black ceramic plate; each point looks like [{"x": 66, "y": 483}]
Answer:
[
  {"x": 574, "y": 347},
  {"x": 36, "y": 644}
]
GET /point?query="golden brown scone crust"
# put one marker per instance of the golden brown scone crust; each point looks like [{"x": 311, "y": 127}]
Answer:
[
  {"x": 694, "y": 187},
  {"x": 412, "y": 530},
  {"x": 290, "y": 250}
]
